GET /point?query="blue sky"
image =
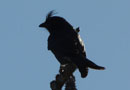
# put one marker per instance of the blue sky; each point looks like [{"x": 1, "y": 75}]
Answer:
[{"x": 25, "y": 62}]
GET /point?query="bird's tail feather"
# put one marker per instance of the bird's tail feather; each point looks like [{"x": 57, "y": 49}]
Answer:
[
  {"x": 83, "y": 71},
  {"x": 92, "y": 65},
  {"x": 83, "y": 66}
]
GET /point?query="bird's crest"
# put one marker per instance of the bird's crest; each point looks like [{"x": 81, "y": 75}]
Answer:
[{"x": 50, "y": 14}]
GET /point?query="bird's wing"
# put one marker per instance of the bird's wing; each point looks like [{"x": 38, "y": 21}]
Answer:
[{"x": 67, "y": 45}]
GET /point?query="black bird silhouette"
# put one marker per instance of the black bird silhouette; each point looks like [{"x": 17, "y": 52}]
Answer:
[{"x": 66, "y": 44}]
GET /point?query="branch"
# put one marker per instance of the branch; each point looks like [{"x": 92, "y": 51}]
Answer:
[
  {"x": 70, "y": 84},
  {"x": 65, "y": 76}
]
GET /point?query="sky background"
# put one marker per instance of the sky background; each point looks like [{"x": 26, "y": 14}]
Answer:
[{"x": 25, "y": 62}]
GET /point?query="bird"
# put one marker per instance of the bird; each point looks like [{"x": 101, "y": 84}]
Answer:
[{"x": 66, "y": 44}]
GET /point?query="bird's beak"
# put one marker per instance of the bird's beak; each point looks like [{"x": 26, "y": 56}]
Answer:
[{"x": 42, "y": 25}]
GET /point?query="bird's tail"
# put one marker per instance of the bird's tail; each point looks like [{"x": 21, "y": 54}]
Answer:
[
  {"x": 83, "y": 67},
  {"x": 92, "y": 65},
  {"x": 83, "y": 71},
  {"x": 84, "y": 64}
]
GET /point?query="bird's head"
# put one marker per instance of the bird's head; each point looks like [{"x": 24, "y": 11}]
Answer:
[{"x": 55, "y": 23}]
